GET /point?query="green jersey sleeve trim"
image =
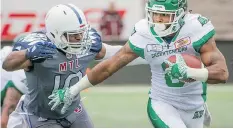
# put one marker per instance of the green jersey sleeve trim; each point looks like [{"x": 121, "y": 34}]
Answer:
[
  {"x": 198, "y": 44},
  {"x": 137, "y": 50},
  {"x": 3, "y": 92}
]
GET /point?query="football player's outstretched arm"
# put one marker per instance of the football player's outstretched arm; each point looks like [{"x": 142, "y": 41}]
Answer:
[
  {"x": 21, "y": 59},
  {"x": 16, "y": 60},
  {"x": 108, "y": 51},
  {"x": 105, "y": 69},
  {"x": 215, "y": 62}
]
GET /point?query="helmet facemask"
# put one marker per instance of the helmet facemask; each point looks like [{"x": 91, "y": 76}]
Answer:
[
  {"x": 81, "y": 47},
  {"x": 163, "y": 29}
]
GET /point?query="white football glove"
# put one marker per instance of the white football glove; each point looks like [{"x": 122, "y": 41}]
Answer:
[
  {"x": 61, "y": 96},
  {"x": 177, "y": 70}
]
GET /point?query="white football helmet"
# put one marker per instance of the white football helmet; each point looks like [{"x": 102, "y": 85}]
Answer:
[{"x": 64, "y": 20}]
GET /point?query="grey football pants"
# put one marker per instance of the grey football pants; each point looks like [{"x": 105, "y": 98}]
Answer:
[{"x": 78, "y": 119}]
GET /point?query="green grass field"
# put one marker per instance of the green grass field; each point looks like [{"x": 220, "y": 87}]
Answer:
[{"x": 125, "y": 106}]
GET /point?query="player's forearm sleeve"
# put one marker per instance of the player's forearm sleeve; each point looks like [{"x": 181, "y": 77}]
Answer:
[
  {"x": 83, "y": 84},
  {"x": 198, "y": 74},
  {"x": 112, "y": 50}
]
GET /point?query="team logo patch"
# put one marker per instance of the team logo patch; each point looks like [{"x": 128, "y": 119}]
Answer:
[
  {"x": 78, "y": 109},
  {"x": 183, "y": 42},
  {"x": 154, "y": 48}
]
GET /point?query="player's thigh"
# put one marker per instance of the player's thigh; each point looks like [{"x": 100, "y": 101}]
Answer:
[
  {"x": 17, "y": 120},
  {"x": 39, "y": 122},
  {"x": 24, "y": 120},
  {"x": 163, "y": 115},
  {"x": 195, "y": 118},
  {"x": 50, "y": 125},
  {"x": 80, "y": 118}
]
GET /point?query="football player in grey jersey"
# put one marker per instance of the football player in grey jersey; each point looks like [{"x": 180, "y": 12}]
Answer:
[{"x": 57, "y": 58}]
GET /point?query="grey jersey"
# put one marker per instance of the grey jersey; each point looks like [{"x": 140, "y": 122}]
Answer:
[{"x": 63, "y": 70}]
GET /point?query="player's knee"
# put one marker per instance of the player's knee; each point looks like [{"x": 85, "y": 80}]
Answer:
[{"x": 13, "y": 91}]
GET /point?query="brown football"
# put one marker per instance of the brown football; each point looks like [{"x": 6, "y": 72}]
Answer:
[{"x": 191, "y": 61}]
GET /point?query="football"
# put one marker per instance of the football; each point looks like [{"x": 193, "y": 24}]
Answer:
[{"x": 191, "y": 61}]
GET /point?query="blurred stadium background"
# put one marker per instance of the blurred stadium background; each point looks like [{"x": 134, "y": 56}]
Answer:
[{"x": 121, "y": 100}]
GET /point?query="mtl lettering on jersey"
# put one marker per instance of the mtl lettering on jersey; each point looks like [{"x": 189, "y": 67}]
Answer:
[
  {"x": 61, "y": 72},
  {"x": 68, "y": 65}
]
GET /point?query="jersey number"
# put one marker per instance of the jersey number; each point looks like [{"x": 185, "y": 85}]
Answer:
[
  {"x": 67, "y": 81},
  {"x": 171, "y": 82}
]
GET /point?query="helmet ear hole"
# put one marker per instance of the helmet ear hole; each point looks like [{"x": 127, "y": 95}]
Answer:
[
  {"x": 52, "y": 35},
  {"x": 65, "y": 35},
  {"x": 64, "y": 38},
  {"x": 64, "y": 12}
]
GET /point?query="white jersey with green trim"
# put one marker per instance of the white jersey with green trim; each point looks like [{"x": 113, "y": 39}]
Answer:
[{"x": 194, "y": 33}]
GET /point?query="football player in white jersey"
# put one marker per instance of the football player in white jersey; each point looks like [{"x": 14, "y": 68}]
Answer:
[
  {"x": 13, "y": 86},
  {"x": 169, "y": 29}
]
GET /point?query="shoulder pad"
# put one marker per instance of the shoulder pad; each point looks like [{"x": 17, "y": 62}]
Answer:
[
  {"x": 142, "y": 28},
  {"x": 199, "y": 28},
  {"x": 197, "y": 24},
  {"x": 29, "y": 40}
]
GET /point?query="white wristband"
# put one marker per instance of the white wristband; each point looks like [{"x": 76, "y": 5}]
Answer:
[
  {"x": 83, "y": 84},
  {"x": 198, "y": 74}
]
